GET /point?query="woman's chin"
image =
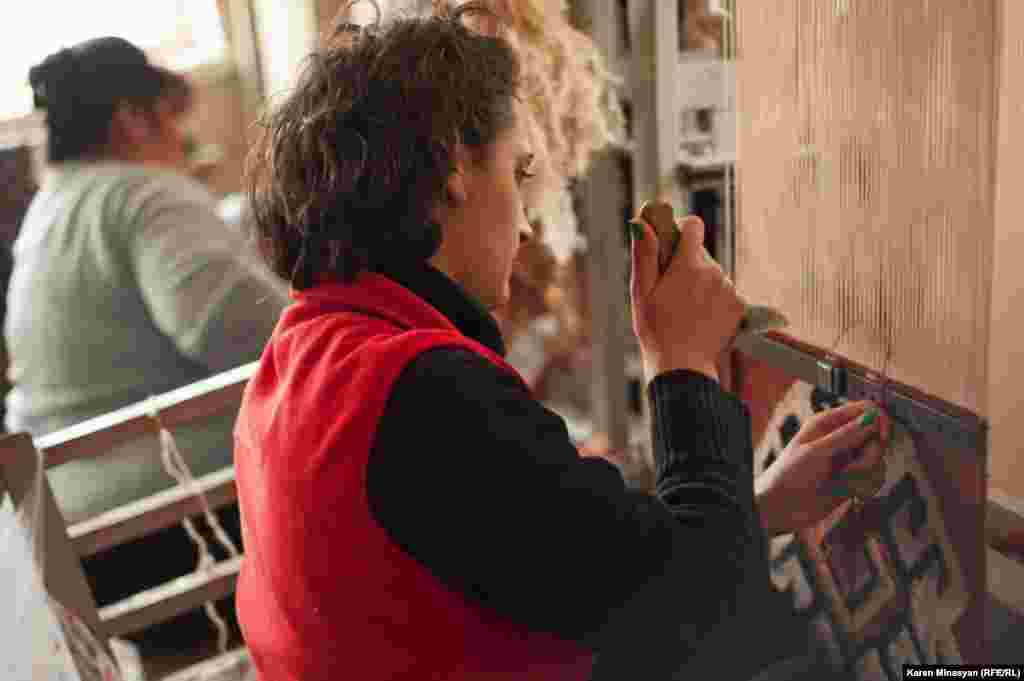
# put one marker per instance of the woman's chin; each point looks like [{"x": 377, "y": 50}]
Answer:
[
  {"x": 498, "y": 299},
  {"x": 495, "y": 296},
  {"x": 506, "y": 292}
]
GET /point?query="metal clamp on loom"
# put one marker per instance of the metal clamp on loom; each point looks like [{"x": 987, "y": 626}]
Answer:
[
  {"x": 958, "y": 428},
  {"x": 831, "y": 378},
  {"x": 798, "y": 364}
]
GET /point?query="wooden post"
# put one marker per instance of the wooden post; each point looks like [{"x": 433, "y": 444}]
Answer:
[
  {"x": 62, "y": 573},
  {"x": 654, "y": 97},
  {"x": 245, "y": 51},
  {"x": 654, "y": 94},
  {"x": 606, "y": 259},
  {"x": 287, "y": 35}
]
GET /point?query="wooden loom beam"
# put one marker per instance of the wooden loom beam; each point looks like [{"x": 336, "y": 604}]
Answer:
[
  {"x": 606, "y": 261},
  {"x": 915, "y": 409}
]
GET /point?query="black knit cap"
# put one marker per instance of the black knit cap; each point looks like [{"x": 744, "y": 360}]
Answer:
[
  {"x": 80, "y": 88},
  {"x": 98, "y": 69},
  {"x": 111, "y": 52}
]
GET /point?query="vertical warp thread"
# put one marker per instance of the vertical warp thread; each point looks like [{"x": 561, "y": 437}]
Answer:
[
  {"x": 865, "y": 180},
  {"x": 175, "y": 466}
]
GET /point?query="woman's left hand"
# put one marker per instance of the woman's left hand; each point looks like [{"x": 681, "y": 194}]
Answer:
[{"x": 793, "y": 493}]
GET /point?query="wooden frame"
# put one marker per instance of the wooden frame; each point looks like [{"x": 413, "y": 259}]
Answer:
[
  {"x": 849, "y": 380},
  {"x": 20, "y": 459},
  {"x": 1004, "y": 523},
  {"x": 1004, "y": 575},
  {"x": 190, "y": 403},
  {"x": 245, "y": 50},
  {"x": 63, "y": 577},
  {"x": 606, "y": 256},
  {"x": 931, "y": 512},
  {"x": 1005, "y": 580}
]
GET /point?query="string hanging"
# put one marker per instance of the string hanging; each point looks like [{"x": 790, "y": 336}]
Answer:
[{"x": 175, "y": 466}]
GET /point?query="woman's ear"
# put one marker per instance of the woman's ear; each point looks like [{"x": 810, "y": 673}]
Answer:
[{"x": 457, "y": 185}]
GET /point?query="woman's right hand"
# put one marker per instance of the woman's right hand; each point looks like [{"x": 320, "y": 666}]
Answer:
[{"x": 687, "y": 317}]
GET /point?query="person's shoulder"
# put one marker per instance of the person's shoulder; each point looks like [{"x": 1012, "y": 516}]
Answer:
[
  {"x": 131, "y": 188},
  {"x": 157, "y": 182},
  {"x": 457, "y": 369},
  {"x": 105, "y": 195},
  {"x": 451, "y": 359},
  {"x": 454, "y": 387},
  {"x": 137, "y": 195}
]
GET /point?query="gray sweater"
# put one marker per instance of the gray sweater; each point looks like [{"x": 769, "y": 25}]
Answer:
[{"x": 127, "y": 284}]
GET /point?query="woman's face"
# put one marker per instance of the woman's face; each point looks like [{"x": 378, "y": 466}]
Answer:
[
  {"x": 153, "y": 138},
  {"x": 485, "y": 220},
  {"x": 167, "y": 143}
]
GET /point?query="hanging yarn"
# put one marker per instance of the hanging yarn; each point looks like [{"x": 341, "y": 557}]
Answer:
[
  {"x": 703, "y": 26},
  {"x": 175, "y": 466},
  {"x": 94, "y": 662},
  {"x": 573, "y": 111}
]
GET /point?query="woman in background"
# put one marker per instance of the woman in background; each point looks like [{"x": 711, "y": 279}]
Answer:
[
  {"x": 410, "y": 512},
  {"x": 126, "y": 284}
]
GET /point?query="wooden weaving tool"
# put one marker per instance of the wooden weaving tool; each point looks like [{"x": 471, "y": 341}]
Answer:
[
  {"x": 861, "y": 485},
  {"x": 758, "y": 318}
]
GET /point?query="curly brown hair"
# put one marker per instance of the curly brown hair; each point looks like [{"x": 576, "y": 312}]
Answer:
[{"x": 346, "y": 170}]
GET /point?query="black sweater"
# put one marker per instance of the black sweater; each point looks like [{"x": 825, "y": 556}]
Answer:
[{"x": 482, "y": 485}]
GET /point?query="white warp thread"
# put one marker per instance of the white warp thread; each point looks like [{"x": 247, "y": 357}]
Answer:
[{"x": 176, "y": 467}]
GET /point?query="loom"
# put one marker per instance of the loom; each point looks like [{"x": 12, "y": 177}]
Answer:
[{"x": 876, "y": 153}]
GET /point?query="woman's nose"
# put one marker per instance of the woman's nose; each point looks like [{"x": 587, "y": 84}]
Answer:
[{"x": 525, "y": 232}]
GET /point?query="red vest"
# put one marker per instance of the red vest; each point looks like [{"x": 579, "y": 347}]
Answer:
[{"x": 324, "y": 594}]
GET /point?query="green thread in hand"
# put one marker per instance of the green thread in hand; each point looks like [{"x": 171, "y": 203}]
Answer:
[
  {"x": 869, "y": 417},
  {"x": 840, "y": 487},
  {"x": 636, "y": 231}
]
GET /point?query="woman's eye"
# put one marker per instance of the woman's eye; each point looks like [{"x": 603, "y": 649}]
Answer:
[{"x": 525, "y": 170}]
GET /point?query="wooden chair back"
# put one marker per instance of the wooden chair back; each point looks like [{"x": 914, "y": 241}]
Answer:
[{"x": 65, "y": 546}]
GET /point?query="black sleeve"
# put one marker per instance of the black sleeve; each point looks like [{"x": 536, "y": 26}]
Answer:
[{"x": 482, "y": 485}]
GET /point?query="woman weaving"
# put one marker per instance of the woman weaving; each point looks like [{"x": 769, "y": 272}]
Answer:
[{"x": 409, "y": 511}]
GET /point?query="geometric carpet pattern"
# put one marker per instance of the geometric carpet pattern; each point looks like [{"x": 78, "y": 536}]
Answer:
[{"x": 878, "y": 587}]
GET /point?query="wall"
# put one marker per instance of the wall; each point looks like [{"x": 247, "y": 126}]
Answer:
[
  {"x": 286, "y": 35},
  {"x": 218, "y": 118}
]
